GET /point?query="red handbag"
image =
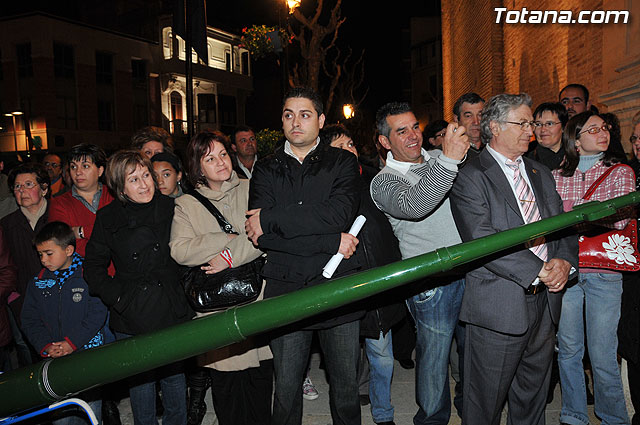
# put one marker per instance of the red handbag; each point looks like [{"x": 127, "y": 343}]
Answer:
[{"x": 614, "y": 249}]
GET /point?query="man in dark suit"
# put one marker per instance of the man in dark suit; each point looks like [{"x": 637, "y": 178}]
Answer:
[{"x": 512, "y": 300}]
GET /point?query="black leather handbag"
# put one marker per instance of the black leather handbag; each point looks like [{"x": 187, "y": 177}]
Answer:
[{"x": 228, "y": 288}]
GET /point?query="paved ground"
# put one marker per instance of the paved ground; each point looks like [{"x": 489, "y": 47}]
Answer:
[{"x": 316, "y": 412}]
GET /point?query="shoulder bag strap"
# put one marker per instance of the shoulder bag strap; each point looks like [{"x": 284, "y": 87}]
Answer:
[
  {"x": 224, "y": 224},
  {"x": 600, "y": 179}
]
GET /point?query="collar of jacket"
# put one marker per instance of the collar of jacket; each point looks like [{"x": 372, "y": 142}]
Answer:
[
  {"x": 312, "y": 157},
  {"x": 227, "y": 186},
  {"x": 161, "y": 209}
]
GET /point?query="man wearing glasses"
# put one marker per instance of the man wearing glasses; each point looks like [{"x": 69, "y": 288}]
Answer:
[
  {"x": 53, "y": 164},
  {"x": 511, "y": 302}
]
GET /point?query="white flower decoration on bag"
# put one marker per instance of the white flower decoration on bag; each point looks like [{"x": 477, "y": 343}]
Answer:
[{"x": 620, "y": 249}]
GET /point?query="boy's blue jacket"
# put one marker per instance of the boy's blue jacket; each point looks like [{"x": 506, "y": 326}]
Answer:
[{"x": 52, "y": 313}]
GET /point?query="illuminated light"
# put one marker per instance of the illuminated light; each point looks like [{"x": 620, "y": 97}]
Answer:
[
  {"x": 348, "y": 111},
  {"x": 293, "y": 4}
]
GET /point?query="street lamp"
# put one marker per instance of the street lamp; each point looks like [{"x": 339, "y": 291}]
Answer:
[
  {"x": 293, "y": 4},
  {"x": 13, "y": 117},
  {"x": 348, "y": 111}
]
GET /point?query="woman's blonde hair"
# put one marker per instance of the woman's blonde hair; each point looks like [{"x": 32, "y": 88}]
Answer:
[{"x": 120, "y": 165}]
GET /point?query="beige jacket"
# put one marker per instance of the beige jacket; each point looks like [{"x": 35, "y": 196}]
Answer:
[{"x": 196, "y": 238}]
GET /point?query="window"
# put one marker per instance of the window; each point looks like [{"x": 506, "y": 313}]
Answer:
[
  {"x": 207, "y": 108},
  {"x": 227, "y": 105},
  {"x": 104, "y": 68},
  {"x": 63, "y": 63},
  {"x": 176, "y": 113},
  {"x": 167, "y": 42},
  {"x": 105, "y": 115},
  {"x": 245, "y": 63},
  {"x": 66, "y": 112},
  {"x": 139, "y": 72},
  {"x": 25, "y": 65},
  {"x": 140, "y": 95}
]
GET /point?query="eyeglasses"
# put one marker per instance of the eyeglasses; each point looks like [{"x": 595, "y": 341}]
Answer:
[
  {"x": 524, "y": 125},
  {"x": 51, "y": 164},
  {"x": 26, "y": 185},
  {"x": 596, "y": 130},
  {"x": 633, "y": 138},
  {"x": 441, "y": 134},
  {"x": 547, "y": 124}
]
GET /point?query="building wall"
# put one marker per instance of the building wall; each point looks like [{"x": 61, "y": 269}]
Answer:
[{"x": 480, "y": 55}]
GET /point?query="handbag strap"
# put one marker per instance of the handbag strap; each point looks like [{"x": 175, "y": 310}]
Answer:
[
  {"x": 224, "y": 224},
  {"x": 600, "y": 179}
]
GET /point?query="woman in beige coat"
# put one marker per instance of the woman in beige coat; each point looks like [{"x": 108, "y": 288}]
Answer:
[{"x": 241, "y": 374}]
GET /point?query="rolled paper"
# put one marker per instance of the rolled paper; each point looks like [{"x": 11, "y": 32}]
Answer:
[{"x": 333, "y": 263}]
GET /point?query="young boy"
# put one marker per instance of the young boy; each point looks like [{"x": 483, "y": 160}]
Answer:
[{"x": 58, "y": 316}]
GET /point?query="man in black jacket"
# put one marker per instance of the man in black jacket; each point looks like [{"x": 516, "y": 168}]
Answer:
[
  {"x": 302, "y": 200},
  {"x": 378, "y": 247}
]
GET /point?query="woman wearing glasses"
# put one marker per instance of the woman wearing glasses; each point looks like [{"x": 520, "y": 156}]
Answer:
[
  {"x": 550, "y": 119},
  {"x": 30, "y": 186},
  {"x": 593, "y": 302}
]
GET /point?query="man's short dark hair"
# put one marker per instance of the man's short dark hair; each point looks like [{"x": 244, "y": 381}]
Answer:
[
  {"x": 331, "y": 132},
  {"x": 391, "y": 108},
  {"x": 434, "y": 128},
  {"x": 88, "y": 150},
  {"x": 60, "y": 233},
  {"x": 585, "y": 91},
  {"x": 471, "y": 98},
  {"x": 554, "y": 107},
  {"x": 307, "y": 93},
  {"x": 240, "y": 129},
  {"x": 152, "y": 134}
]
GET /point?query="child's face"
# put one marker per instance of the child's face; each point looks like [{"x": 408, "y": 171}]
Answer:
[{"x": 53, "y": 256}]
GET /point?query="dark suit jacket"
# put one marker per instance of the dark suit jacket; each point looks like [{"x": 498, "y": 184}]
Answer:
[{"x": 482, "y": 204}]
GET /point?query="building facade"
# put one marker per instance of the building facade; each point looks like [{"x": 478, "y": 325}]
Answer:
[
  {"x": 77, "y": 83},
  {"x": 540, "y": 58}
]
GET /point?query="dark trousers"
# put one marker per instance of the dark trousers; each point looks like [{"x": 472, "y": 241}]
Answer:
[
  {"x": 404, "y": 338},
  {"x": 340, "y": 350},
  {"x": 515, "y": 368},
  {"x": 243, "y": 397}
]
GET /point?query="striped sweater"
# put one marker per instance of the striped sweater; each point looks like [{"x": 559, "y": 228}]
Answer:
[{"x": 415, "y": 199}]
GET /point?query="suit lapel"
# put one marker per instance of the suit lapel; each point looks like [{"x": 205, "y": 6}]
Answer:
[{"x": 494, "y": 172}]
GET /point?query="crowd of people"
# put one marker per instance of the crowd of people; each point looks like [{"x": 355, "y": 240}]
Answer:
[{"x": 92, "y": 248}]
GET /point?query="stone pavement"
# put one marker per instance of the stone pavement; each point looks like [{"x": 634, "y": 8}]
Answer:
[{"x": 316, "y": 412}]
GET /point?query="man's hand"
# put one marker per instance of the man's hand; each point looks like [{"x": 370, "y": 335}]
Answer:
[
  {"x": 456, "y": 142},
  {"x": 555, "y": 274},
  {"x": 348, "y": 244},
  {"x": 215, "y": 265},
  {"x": 252, "y": 225}
]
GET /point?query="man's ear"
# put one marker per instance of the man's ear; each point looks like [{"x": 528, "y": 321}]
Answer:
[
  {"x": 495, "y": 127},
  {"x": 100, "y": 171},
  {"x": 69, "y": 250},
  {"x": 455, "y": 118},
  {"x": 321, "y": 119},
  {"x": 384, "y": 141},
  {"x": 234, "y": 147}
]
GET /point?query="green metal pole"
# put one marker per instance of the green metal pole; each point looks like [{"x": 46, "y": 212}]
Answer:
[{"x": 51, "y": 380}]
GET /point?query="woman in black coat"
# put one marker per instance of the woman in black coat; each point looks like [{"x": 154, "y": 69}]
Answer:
[{"x": 145, "y": 294}]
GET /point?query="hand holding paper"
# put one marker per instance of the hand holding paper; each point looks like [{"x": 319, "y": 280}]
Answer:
[{"x": 333, "y": 263}]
